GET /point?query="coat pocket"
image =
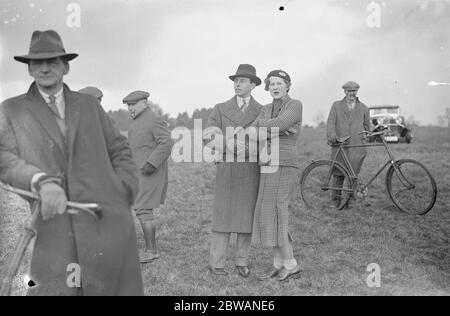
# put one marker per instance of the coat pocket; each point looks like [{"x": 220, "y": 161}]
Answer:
[{"x": 122, "y": 187}]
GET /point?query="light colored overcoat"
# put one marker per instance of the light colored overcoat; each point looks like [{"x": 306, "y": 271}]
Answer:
[
  {"x": 96, "y": 163},
  {"x": 345, "y": 122},
  {"x": 150, "y": 141}
]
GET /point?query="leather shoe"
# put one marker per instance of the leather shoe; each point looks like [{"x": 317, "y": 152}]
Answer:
[
  {"x": 218, "y": 271},
  {"x": 148, "y": 256},
  {"x": 272, "y": 274},
  {"x": 285, "y": 274},
  {"x": 244, "y": 271}
]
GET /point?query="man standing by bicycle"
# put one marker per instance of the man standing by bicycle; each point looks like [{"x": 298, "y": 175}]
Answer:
[
  {"x": 348, "y": 117},
  {"x": 62, "y": 145}
]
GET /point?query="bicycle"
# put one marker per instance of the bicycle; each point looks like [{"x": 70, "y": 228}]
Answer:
[{"x": 410, "y": 185}]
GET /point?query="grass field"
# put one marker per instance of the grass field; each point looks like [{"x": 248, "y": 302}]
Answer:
[{"x": 333, "y": 248}]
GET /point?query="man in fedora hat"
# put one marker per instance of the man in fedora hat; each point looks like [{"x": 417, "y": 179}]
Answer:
[
  {"x": 61, "y": 144},
  {"x": 236, "y": 182},
  {"x": 348, "y": 117},
  {"x": 151, "y": 145},
  {"x": 93, "y": 91}
]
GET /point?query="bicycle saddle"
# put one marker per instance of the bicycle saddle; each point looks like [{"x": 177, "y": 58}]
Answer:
[{"x": 343, "y": 139}]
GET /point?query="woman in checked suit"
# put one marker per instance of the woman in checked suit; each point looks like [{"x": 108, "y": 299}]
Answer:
[{"x": 271, "y": 219}]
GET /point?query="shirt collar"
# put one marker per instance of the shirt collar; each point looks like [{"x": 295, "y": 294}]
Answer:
[
  {"x": 58, "y": 95},
  {"x": 240, "y": 100}
]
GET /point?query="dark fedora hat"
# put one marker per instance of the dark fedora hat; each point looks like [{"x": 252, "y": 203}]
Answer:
[
  {"x": 45, "y": 45},
  {"x": 246, "y": 71}
]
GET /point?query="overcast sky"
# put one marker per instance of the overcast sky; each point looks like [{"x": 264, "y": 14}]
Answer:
[{"x": 183, "y": 51}]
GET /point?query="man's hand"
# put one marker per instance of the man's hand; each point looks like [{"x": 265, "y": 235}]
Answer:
[
  {"x": 148, "y": 169},
  {"x": 53, "y": 200},
  {"x": 332, "y": 141}
]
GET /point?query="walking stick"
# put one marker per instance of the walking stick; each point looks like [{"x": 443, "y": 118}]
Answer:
[{"x": 29, "y": 232}]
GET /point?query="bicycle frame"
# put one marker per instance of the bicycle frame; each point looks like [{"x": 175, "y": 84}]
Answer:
[{"x": 352, "y": 173}]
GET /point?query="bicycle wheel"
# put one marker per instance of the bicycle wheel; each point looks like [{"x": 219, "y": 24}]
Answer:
[
  {"x": 412, "y": 188},
  {"x": 318, "y": 187}
]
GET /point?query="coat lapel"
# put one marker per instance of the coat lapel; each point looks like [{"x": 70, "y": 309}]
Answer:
[
  {"x": 44, "y": 116},
  {"x": 232, "y": 111},
  {"x": 72, "y": 116},
  {"x": 344, "y": 109},
  {"x": 252, "y": 113},
  {"x": 267, "y": 111}
]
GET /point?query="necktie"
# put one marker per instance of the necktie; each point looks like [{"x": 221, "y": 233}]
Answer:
[
  {"x": 59, "y": 120},
  {"x": 244, "y": 106},
  {"x": 52, "y": 106}
]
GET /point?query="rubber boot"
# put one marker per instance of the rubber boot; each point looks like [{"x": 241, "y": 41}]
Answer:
[{"x": 151, "y": 251}]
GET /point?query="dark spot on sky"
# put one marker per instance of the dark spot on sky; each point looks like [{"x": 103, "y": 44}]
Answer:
[
  {"x": 281, "y": 9},
  {"x": 31, "y": 283}
]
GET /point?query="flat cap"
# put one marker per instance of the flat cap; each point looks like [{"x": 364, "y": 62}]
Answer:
[
  {"x": 351, "y": 85},
  {"x": 136, "y": 96},
  {"x": 93, "y": 91}
]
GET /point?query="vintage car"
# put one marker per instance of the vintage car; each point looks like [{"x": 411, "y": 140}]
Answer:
[{"x": 388, "y": 116}]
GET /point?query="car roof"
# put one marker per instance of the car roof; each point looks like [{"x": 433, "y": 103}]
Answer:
[{"x": 384, "y": 107}]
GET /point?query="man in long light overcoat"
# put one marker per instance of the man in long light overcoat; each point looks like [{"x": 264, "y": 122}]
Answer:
[
  {"x": 348, "y": 117},
  {"x": 62, "y": 145},
  {"x": 151, "y": 145},
  {"x": 236, "y": 182}
]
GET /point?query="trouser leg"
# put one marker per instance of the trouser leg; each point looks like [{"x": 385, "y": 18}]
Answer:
[
  {"x": 243, "y": 242},
  {"x": 218, "y": 249},
  {"x": 338, "y": 181}
]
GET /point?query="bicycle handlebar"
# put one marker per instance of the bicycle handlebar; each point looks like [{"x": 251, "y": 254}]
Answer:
[
  {"x": 72, "y": 207},
  {"x": 368, "y": 133}
]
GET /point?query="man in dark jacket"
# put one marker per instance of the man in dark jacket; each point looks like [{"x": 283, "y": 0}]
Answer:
[{"x": 62, "y": 145}]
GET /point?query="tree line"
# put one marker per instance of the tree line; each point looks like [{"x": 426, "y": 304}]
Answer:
[{"x": 123, "y": 120}]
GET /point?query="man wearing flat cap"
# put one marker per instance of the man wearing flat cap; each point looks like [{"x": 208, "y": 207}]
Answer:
[
  {"x": 93, "y": 91},
  {"x": 236, "y": 182},
  {"x": 151, "y": 145},
  {"x": 348, "y": 117},
  {"x": 61, "y": 145}
]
